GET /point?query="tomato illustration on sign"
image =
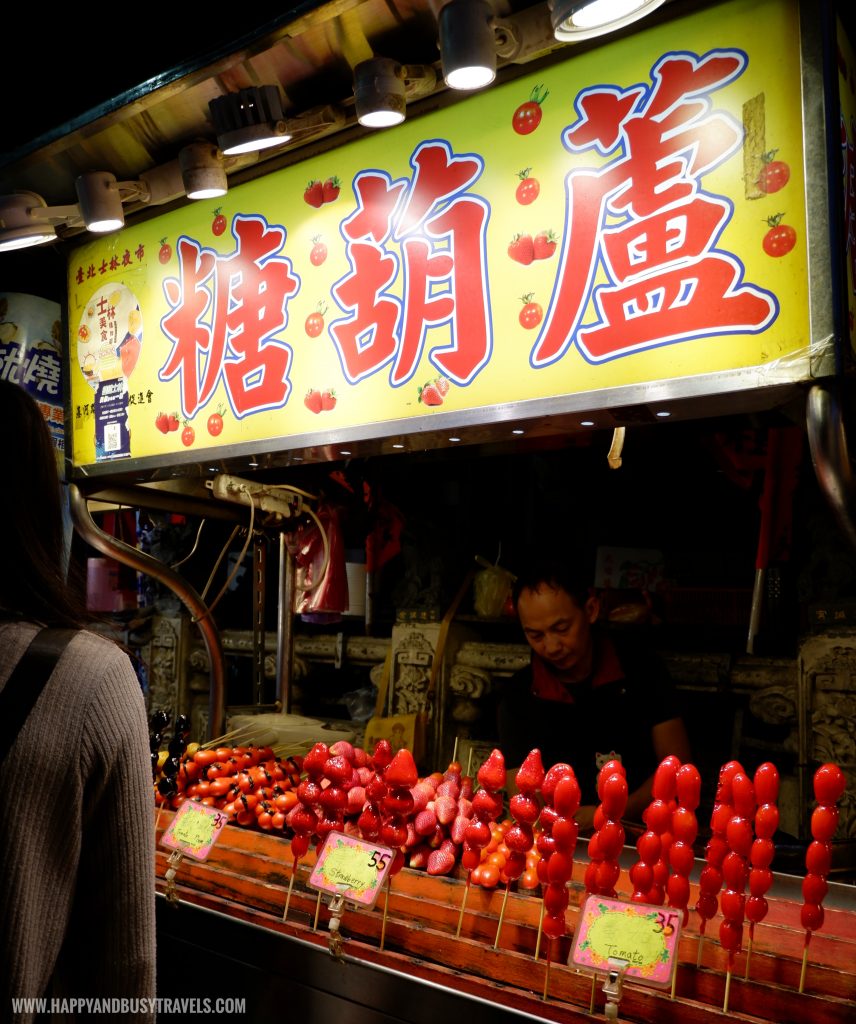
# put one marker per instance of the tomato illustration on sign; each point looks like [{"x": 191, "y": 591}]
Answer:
[
  {"x": 218, "y": 225},
  {"x": 531, "y": 314},
  {"x": 527, "y": 116},
  {"x": 775, "y": 174},
  {"x": 315, "y": 321},
  {"x": 318, "y": 252},
  {"x": 165, "y": 251},
  {"x": 528, "y": 189},
  {"x": 188, "y": 435},
  {"x": 780, "y": 238},
  {"x": 215, "y": 422}
]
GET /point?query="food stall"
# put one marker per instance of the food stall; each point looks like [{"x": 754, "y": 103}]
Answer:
[{"x": 650, "y": 228}]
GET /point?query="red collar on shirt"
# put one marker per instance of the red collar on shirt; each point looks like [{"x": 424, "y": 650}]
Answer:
[{"x": 546, "y": 685}]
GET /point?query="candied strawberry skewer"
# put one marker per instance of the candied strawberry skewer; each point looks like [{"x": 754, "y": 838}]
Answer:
[
  {"x": 525, "y": 808},
  {"x": 829, "y": 785},
  {"x": 303, "y": 818},
  {"x": 399, "y": 776},
  {"x": 735, "y": 871},
  {"x": 606, "y": 843},
  {"x": 487, "y": 807},
  {"x": 766, "y": 784}
]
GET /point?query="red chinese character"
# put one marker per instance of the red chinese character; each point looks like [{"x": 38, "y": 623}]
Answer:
[
  {"x": 644, "y": 220},
  {"x": 245, "y": 296},
  {"x": 441, "y": 233}
]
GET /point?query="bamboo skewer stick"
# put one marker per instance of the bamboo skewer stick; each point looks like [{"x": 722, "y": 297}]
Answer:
[
  {"x": 463, "y": 904},
  {"x": 547, "y": 971},
  {"x": 674, "y": 981},
  {"x": 749, "y": 951},
  {"x": 290, "y": 888},
  {"x": 591, "y": 1001},
  {"x": 501, "y": 916},
  {"x": 317, "y": 912},
  {"x": 385, "y": 908},
  {"x": 540, "y": 931},
  {"x": 698, "y": 954},
  {"x": 804, "y": 961},
  {"x": 728, "y": 982}
]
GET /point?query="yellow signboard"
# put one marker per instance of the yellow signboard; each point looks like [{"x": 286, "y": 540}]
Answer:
[{"x": 633, "y": 214}]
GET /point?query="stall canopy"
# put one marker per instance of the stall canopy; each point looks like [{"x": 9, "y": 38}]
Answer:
[{"x": 639, "y": 226}]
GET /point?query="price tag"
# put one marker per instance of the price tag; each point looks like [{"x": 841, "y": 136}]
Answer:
[
  {"x": 194, "y": 829},
  {"x": 351, "y": 868},
  {"x": 644, "y": 935}
]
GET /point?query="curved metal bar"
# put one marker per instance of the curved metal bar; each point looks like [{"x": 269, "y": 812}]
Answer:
[
  {"x": 142, "y": 562},
  {"x": 828, "y": 443}
]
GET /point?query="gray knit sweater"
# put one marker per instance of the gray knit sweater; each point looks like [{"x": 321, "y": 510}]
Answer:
[{"x": 77, "y": 898}]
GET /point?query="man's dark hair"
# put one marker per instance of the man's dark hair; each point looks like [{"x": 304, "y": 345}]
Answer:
[{"x": 562, "y": 575}]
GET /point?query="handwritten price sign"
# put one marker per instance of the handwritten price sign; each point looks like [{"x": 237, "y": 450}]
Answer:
[
  {"x": 194, "y": 829},
  {"x": 351, "y": 868},
  {"x": 644, "y": 935}
]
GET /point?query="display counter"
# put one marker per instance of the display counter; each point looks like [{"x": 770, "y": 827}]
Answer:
[{"x": 222, "y": 933}]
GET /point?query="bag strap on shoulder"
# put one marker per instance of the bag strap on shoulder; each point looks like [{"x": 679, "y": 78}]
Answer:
[{"x": 28, "y": 678}]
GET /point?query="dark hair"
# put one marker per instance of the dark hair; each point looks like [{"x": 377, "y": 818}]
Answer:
[
  {"x": 33, "y": 581},
  {"x": 561, "y": 574}
]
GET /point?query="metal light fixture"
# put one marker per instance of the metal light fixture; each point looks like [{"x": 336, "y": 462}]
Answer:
[
  {"x": 203, "y": 171},
  {"x": 100, "y": 201},
  {"x": 583, "y": 19},
  {"x": 26, "y": 219},
  {"x": 467, "y": 44},
  {"x": 250, "y": 119},
  {"x": 379, "y": 93}
]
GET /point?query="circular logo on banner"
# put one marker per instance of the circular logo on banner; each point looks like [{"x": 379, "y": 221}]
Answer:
[{"x": 110, "y": 335}]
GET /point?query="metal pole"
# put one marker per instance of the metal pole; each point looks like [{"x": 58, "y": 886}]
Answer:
[
  {"x": 142, "y": 562},
  {"x": 285, "y": 626}
]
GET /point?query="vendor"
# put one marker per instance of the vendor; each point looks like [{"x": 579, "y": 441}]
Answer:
[{"x": 587, "y": 696}]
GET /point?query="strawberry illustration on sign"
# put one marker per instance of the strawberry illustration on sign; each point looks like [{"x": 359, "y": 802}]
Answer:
[
  {"x": 330, "y": 190},
  {"x": 442, "y": 385},
  {"x": 522, "y": 249},
  {"x": 314, "y": 193},
  {"x": 162, "y": 422},
  {"x": 173, "y": 422},
  {"x": 429, "y": 394},
  {"x": 328, "y": 400},
  {"x": 544, "y": 245},
  {"x": 312, "y": 400}
]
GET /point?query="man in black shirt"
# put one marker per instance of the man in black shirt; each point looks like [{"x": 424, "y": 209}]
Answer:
[{"x": 586, "y": 697}]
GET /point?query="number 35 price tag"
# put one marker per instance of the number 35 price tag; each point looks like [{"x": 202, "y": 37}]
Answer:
[
  {"x": 644, "y": 935},
  {"x": 194, "y": 829},
  {"x": 351, "y": 868}
]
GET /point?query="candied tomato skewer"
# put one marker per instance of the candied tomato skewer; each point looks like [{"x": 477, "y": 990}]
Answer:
[{"x": 829, "y": 785}]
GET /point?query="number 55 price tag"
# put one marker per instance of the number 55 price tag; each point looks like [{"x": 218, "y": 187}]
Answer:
[
  {"x": 351, "y": 868},
  {"x": 644, "y": 935}
]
